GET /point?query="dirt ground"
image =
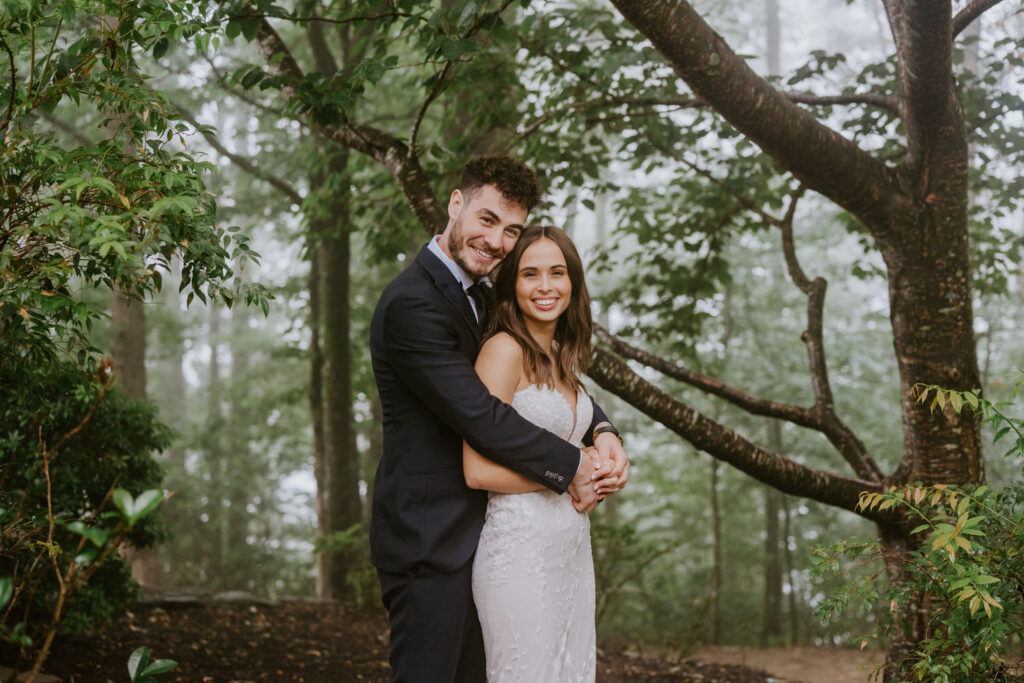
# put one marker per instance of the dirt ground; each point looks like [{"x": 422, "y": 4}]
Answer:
[
  {"x": 805, "y": 664},
  {"x": 321, "y": 642}
]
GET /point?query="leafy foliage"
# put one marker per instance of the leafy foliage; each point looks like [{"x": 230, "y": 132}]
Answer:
[
  {"x": 71, "y": 446},
  {"x": 351, "y": 547},
  {"x": 966, "y": 559},
  {"x": 113, "y": 211}
]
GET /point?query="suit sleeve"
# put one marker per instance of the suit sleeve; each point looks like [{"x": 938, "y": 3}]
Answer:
[
  {"x": 599, "y": 417},
  {"x": 422, "y": 348}
]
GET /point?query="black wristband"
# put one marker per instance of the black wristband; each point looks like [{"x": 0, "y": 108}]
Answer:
[{"x": 608, "y": 428}]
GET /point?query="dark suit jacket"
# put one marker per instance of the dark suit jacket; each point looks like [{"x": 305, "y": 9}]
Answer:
[{"x": 424, "y": 340}]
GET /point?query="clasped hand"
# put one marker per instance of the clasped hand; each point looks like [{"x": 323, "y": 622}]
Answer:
[{"x": 607, "y": 474}]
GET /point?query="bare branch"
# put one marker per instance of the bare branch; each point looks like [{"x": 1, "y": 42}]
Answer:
[
  {"x": 752, "y": 404},
  {"x": 379, "y": 145},
  {"x": 881, "y": 101},
  {"x": 817, "y": 155},
  {"x": 889, "y": 103},
  {"x": 796, "y": 273},
  {"x": 724, "y": 444},
  {"x": 73, "y": 131},
  {"x": 242, "y": 162},
  {"x": 968, "y": 14},
  {"x": 442, "y": 77},
  {"x": 321, "y": 20}
]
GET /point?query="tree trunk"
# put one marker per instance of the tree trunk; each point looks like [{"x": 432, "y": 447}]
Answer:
[
  {"x": 128, "y": 351},
  {"x": 771, "y": 624},
  {"x": 316, "y": 406},
  {"x": 238, "y": 486},
  {"x": 330, "y": 229},
  {"x": 794, "y": 621},
  {"x": 211, "y": 446},
  {"x": 714, "y": 606},
  {"x": 174, "y": 399},
  {"x": 341, "y": 454},
  {"x": 128, "y": 345}
]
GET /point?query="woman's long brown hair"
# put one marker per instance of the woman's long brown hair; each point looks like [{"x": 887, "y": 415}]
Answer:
[{"x": 571, "y": 344}]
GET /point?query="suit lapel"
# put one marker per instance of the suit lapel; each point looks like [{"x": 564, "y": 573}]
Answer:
[{"x": 450, "y": 287}]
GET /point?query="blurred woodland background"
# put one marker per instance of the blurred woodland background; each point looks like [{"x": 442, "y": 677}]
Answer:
[{"x": 213, "y": 195}]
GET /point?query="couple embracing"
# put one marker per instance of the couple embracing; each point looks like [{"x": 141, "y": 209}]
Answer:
[{"x": 493, "y": 451}]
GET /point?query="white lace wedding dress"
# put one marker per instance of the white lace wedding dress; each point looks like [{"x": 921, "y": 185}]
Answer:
[{"x": 533, "y": 574}]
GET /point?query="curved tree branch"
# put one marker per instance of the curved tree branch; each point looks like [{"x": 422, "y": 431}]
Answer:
[
  {"x": 379, "y": 145},
  {"x": 881, "y": 101},
  {"x": 812, "y": 418},
  {"x": 242, "y": 162},
  {"x": 818, "y": 156},
  {"x": 968, "y": 14},
  {"x": 724, "y": 444},
  {"x": 837, "y": 431}
]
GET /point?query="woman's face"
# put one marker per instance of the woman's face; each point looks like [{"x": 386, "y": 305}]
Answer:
[{"x": 543, "y": 287}]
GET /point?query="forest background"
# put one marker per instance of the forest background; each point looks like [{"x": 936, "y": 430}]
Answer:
[{"x": 333, "y": 130}]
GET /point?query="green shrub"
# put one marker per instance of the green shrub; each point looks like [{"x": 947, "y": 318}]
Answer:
[
  {"x": 967, "y": 562},
  {"x": 72, "y": 452},
  {"x": 351, "y": 548}
]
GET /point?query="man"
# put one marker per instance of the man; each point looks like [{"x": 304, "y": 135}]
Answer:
[{"x": 424, "y": 339}]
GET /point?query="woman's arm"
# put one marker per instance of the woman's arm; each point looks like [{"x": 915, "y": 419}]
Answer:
[{"x": 500, "y": 366}]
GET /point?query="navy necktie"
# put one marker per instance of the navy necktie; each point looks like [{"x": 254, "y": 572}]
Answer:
[{"x": 478, "y": 293}]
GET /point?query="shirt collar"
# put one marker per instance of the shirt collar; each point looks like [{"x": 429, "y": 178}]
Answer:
[{"x": 462, "y": 276}]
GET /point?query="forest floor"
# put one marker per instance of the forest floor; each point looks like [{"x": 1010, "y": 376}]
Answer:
[{"x": 321, "y": 642}]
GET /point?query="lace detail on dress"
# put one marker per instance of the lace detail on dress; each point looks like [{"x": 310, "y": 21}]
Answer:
[{"x": 533, "y": 576}]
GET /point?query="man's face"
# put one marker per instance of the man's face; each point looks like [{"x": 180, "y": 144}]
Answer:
[{"x": 482, "y": 228}]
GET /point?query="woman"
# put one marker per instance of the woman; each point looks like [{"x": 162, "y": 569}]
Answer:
[{"x": 533, "y": 575}]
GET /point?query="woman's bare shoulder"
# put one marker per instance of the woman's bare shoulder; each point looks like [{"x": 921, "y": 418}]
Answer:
[{"x": 502, "y": 346}]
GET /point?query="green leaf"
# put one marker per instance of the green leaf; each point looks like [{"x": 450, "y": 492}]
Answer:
[
  {"x": 87, "y": 556},
  {"x": 160, "y": 666},
  {"x": 972, "y": 399},
  {"x": 123, "y": 500},
  {"x": 138, "y": 661},
  {"x": 160, "y": 47},
  {"x": 97, "y": 535},
  {"x": 146, "y": 503},
  {"x": 250, "y": 27},
  {"x": 6, "y": 590}
]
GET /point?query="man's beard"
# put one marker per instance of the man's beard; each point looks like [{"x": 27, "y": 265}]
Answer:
[{"x": 455, "y": 245}]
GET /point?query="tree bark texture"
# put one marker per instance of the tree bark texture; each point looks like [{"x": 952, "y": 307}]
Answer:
[
  {"x": 128, "y": 351},
  {"x": 238, "y": 483},
  {"x": 916, "y": 211},
  {"x": 723, "y": 443},
  {"x": 212, "y": 448},
  {"x": 341, "y": 457},
  {"x": 794, "y": 619},
  {"x": 316, "y": 409},
  {"x": 771, "y": 620},
  {"x": 128, "y": 344},
  {"x": 715, "y": 590}
]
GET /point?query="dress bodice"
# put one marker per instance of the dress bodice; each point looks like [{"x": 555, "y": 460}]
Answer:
[{"x": 546, "y": 407}]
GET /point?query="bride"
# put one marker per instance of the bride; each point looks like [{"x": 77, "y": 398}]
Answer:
[{"x": 533, "y": 575}]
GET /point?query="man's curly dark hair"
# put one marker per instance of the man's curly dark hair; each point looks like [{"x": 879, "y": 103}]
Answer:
[{"x": 514, "y": 179}]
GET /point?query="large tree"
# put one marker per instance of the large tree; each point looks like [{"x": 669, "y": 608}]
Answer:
[{"x": 907, "y": 196}]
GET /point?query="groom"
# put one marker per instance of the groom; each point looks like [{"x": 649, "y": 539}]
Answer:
[{"x": 424, "y": 338}]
